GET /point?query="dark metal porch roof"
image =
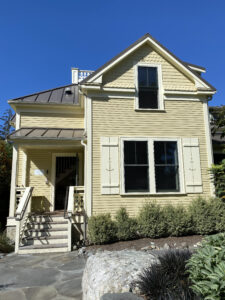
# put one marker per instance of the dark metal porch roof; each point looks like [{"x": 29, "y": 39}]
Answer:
[{"x": 47, "y": 134}]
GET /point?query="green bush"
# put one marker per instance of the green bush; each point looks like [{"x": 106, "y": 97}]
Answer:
[
  {"x": 5, "y": 245},
  {"x": 207, "y": 268},
  {"x": 151, "y": 221},
  {"x": 178, "y": 220},
  {"x": 126, "y": 226},
  {"x": 218, "y": 211},
  {"x": 218, "y": 172},
  {"x": 101, "y": 229},
  {"x": 203, "y": 216}
]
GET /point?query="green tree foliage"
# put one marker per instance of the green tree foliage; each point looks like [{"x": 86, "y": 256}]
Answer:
[
  {"x": 218, "y": 172},
  {"x": 5, "y": 126},
  {"x": 5, "y": 164},
  {"x": 218, "y": 121}
]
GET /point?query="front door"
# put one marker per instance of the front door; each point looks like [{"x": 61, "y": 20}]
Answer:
[{"x": 66, "y": 175}]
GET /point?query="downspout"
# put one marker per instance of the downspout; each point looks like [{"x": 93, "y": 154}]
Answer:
[{"x": 85, "y": 164}]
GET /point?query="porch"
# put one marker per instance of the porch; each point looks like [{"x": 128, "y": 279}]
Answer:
[{"x": 47, "y": 206}]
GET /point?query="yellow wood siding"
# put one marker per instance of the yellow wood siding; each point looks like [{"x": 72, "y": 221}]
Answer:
[
  {"x": 117, "y": 117},
  {"x": 122, "y": 75},
  {"x": 52, "y": 120}
]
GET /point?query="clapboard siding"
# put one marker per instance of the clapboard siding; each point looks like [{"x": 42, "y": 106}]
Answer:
[
  {"x": 52, "y": 120},
  {"x": 117, "y": 117},
  {"x": 122, "y": 75}
]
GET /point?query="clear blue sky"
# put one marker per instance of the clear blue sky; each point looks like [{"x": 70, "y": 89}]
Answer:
[{"x": 41, "y": 40}]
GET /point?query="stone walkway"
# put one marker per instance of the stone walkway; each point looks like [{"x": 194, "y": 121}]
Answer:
[{"x": 41, "y": 277}]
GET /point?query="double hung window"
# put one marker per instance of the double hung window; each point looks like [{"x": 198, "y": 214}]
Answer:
[
  {"x": 141, "y": 166},
  {"x": 148, "y": 88},
  {"x": 136, "y": 166}
]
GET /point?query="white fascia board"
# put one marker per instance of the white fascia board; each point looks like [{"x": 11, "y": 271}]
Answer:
[
  {"x": 197, "y": 69},
  {"x": 163, "y": 52}
]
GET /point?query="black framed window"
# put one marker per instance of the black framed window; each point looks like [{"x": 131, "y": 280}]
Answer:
[
  {"x": 136, "y": 167},
  {"x": 148, "y": 87},
  {"x": 166, "y": 166}
]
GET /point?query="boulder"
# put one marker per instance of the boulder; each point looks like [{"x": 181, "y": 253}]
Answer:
[
  {"x": 113, "y": 272},
  {"x": 120, "y": 296}
]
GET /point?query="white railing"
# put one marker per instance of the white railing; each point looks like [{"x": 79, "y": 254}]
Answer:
[
  {"x": 19, "y": 194},
  {"x": 79, "y": 75},
  {"x": 75, "y": 210},
  {"x": 22, "y": 214}
]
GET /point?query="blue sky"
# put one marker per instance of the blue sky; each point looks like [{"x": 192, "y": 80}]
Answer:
[{"x": 41, "y": 40}]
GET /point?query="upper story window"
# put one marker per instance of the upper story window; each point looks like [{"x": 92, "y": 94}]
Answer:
[
  {"x": 149, "y": 95},
  {"x": 147, "y": 87}
]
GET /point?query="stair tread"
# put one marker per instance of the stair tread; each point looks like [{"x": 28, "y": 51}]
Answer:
[
  {"x": 46, "y": 229},
  {"x": 47, "y": 222},
  {"x": 46, "y": 237},
  {"x": 64, "y": 245}
]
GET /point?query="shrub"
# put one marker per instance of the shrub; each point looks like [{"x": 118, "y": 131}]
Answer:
[
  {"x": 218, "y": 211},
  {"x": 101, "y": 229},
  {"x": 218, "y": 172},
  {"x": 167, "y": 278},
  {"x": 5, "y": 244},
  {"x": 126, "y": 226},
  {"x": 203, "y": 216},
  {"x": 178, "y": 220},
  {"x": 207, "y": 268},
  {"x": 151, "y": 221}
]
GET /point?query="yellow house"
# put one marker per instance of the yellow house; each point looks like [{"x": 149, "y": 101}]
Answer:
[{"x": 134, "y": 130}]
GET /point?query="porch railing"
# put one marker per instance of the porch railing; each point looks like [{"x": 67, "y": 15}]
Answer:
[
  {"x": 19, "y": 194},
  {"x": 75, "y": 210},
  {"x": 22, "y": 214}
]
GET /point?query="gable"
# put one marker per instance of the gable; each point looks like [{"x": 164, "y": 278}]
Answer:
[{"x": 122, "y": 75}]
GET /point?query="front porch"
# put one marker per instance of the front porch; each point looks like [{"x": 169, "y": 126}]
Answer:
[{"x": 47, "y": 190}]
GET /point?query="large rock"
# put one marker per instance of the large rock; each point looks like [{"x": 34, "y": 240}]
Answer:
[
  {"x": 113, "y": 272},
  {"x": 120, "y": 296}
]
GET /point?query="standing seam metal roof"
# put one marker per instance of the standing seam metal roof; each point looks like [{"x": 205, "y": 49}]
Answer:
[{"x": 54, "y": 96}]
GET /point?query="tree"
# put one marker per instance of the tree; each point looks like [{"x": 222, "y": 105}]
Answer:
[
  {"x": 5, "y": 164},
  {"x": 218, "y": 121},
  {"x": 218, "y": 170},
  {"x": 5, "y": 127}
]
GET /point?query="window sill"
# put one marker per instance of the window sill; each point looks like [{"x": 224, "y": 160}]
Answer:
[
  {"x": 155, "y": 194},
  {"x": 150, "y": 109}
]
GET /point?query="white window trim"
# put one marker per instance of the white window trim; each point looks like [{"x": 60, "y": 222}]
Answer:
[
  {"x": 160, "y": 87},
  {"x": 151, "y": 162}
]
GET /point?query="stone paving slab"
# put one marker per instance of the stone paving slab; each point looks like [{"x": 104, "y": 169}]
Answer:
[{"x": 41, "y": 276}]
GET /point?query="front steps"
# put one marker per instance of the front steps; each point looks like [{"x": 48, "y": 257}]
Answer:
[{"x": 45, "y": 234}]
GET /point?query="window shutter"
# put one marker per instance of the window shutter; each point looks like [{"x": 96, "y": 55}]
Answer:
[
  {"x": 109, "y": 165},
  {"x": 192, "y": 165}
]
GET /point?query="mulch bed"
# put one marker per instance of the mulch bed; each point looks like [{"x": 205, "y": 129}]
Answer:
[{"x": 173, "y": 242}]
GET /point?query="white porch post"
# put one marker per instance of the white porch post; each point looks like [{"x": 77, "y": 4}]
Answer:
[
  {"x": 13, "y": 181},
  {"x": 24, "y": 171}
]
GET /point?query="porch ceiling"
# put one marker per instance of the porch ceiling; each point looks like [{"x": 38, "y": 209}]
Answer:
[{"x": 47, "y": 134}]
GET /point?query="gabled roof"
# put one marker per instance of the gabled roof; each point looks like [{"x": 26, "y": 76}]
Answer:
[
  {"x": 67, "y": 94},
  {"x": 146, "y": 38}
]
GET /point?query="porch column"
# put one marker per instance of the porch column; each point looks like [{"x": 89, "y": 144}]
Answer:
[{"x": 13, "y": 181}]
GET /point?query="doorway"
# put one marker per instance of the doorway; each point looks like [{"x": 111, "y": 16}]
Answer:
[{"x": 66, "y": 174}]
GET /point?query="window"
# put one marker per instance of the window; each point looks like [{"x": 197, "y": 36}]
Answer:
[
  {"x": 152, "y": 166},
  {"x": 136, "y": 166},
  {"x": 148, "y": 87},
  {"x": 166, "y": 167}
]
